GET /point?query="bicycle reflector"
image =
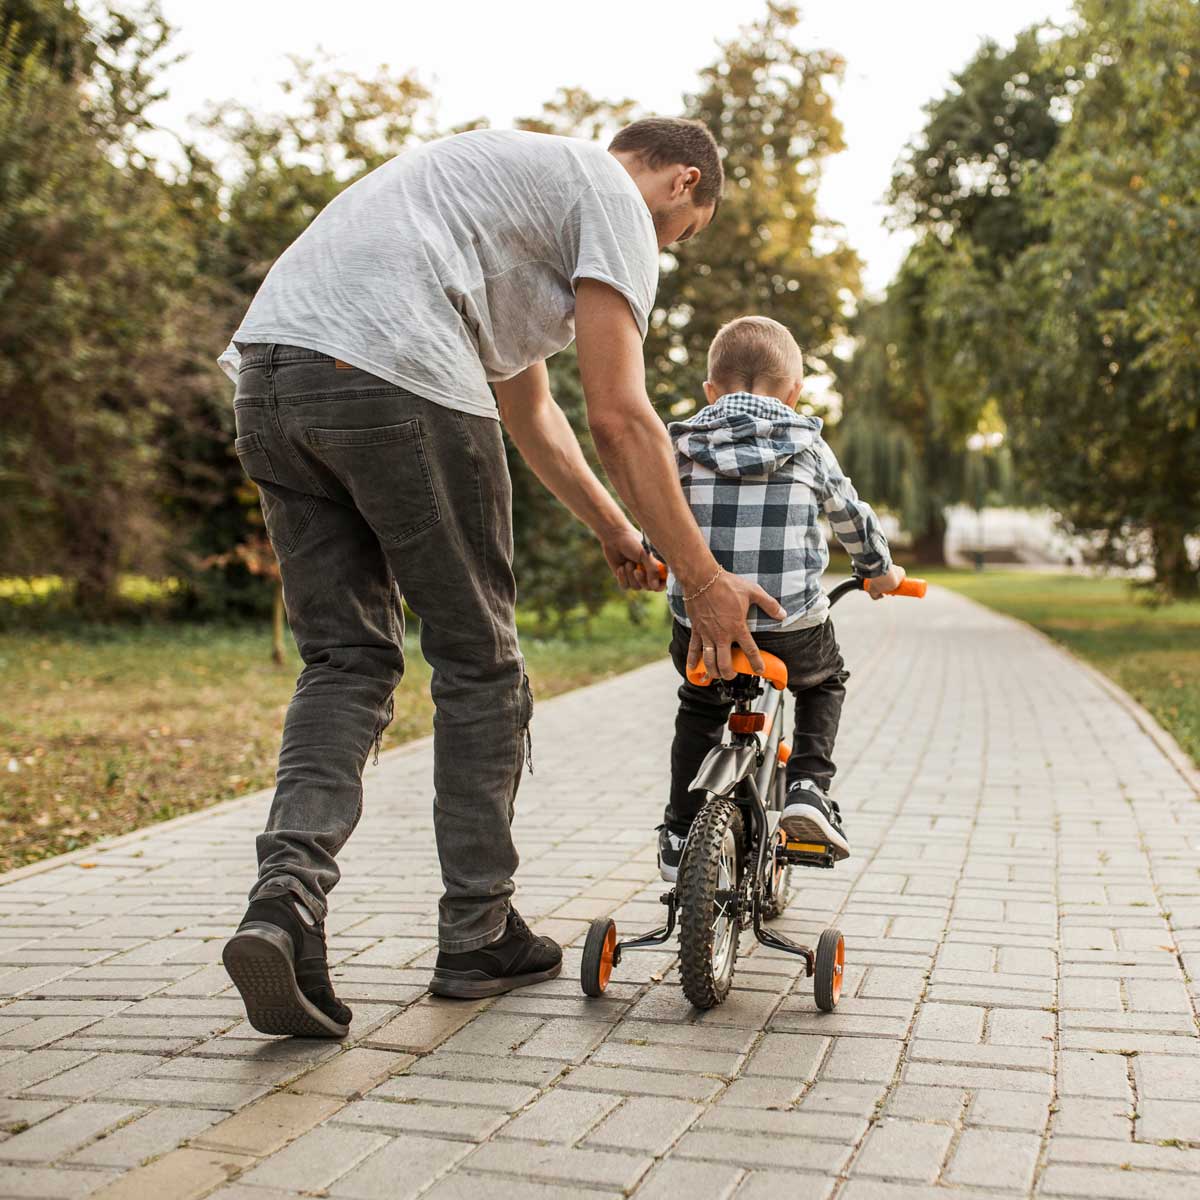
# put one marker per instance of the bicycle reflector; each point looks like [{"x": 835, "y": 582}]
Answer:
[{"x": 747, "y": 722}]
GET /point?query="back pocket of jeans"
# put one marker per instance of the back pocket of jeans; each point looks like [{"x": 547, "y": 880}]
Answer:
[
  {"x": 253, "y": 456},
  {"x": 386, "y": 471}
]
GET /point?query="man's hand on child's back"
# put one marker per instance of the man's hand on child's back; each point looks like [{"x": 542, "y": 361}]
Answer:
[
  {"x": 889, "y": 581},
  {"x": 718, "y": 619}
]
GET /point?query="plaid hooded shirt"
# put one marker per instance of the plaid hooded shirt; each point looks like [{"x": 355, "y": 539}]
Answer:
[{"x": 757, "y": 475}]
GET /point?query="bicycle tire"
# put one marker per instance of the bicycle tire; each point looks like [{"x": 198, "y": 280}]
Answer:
[{"x": 699, "y": 874}]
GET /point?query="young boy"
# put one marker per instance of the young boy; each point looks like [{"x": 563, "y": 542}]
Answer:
[{"x": 757, "y": 474}]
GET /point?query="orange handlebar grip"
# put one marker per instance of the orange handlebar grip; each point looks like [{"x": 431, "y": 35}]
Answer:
[
  {"x": 910, "y": 587},
  {"x": 659, "y": 566}
]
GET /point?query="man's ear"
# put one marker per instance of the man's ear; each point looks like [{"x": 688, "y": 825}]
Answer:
[{"x": 685, "y": 182}]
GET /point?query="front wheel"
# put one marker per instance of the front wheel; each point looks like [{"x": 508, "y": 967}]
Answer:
[{"x": 710, "y": 876}]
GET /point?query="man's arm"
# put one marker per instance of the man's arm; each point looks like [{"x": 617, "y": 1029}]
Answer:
[
  {"x": 543, "y": 435},
  {"x": 636, "y": 453}
]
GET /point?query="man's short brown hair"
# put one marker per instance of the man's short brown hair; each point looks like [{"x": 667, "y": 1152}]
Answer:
[
  {"x": 665, "y": 141},
  {"x": 751, "y": 349}
]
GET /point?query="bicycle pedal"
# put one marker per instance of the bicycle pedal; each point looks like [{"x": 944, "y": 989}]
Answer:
[{"x": 806, "y": 854}]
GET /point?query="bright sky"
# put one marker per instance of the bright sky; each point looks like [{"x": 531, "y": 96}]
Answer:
[{"x": 501, "y": 61}]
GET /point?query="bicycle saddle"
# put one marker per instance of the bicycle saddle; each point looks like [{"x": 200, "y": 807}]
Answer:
[{"x": 774, "y": 672}]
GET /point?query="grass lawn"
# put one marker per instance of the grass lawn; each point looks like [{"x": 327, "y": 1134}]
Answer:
[
  {"x": 106, "y": 729},
  {"x": 1152, "y": 652}
]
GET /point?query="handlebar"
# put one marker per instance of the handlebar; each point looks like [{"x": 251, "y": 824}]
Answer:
[{"x": 911, "y": 586}]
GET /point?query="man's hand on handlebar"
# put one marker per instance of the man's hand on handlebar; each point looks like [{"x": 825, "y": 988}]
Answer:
[
  {"x": 889, "y": 581},
  {"x": 718, "y": 617},
  {"x": 633, "y": 566}
]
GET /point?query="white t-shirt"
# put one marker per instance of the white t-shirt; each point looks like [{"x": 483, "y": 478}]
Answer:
[{"x": 455, "y": 263}]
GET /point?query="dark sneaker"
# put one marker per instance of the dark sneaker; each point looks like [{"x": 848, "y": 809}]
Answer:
[
  {"x": 670, "y": 853},
  {"x": 518, "y": 959},
  {"x": 277, "y": 961},
  {"x": 810, "y": 816}
]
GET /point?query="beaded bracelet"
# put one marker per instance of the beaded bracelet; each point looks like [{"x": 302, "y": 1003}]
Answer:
[{"x": 700, "y": 591}]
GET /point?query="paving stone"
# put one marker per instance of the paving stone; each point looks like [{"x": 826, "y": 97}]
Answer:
[
  {"x": 453, "y": 1121},
  {"x": 404, "y": 1167},
  {"x": 487, "y": 1067},
  {"x": 1160, "y": 1077},
  {"x": 562, "y": 1115},
  {"x": 57, "y": 1136},
  {"x": 269, "y": 1124},
  {"x": 566, "y": 1040},
  {"x": 1009, "y": 1110},
  {"x": 994, "y": 1158},
  {"x": 652, "y": 1125},
  {"x": 1161, "y": 1120},
  {"x": 862, "y": 1060},
  {"x": 316, "y": 1159},
  {"x": 155, "y": 1133},
  {"x": 1084, "y": 1073},
  {"x": 350, "y": 1074},
  {"x": 675, "y": 1178},
  {"x": 52, "y": 1183},
  {"x": 927, "y": 1103},
  {"x": 181, "y": 1175},
  {"x": 559, "y": 1164},
  {"x": 101, "y": 1072},
  {"x": 749, "y": 1150},
  {"x": 833, "y": 1127},
  {"x": 423, "y": 1026},
  {"x": 506, "y": 1096},
  {"x": 951, "y": 1022},
  {"x": 628, "y": 1082},
  {"x": 790, "y": 1055},
  {"x": 896, "y": 1149}
]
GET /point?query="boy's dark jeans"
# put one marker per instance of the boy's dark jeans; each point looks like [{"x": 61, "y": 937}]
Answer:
[
  {"x": 368, "y": 492},
  {"x": 817, "y": 680}
]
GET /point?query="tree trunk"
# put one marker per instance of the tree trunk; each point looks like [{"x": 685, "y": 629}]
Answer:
[
  {"x": 1173, "y": 570},
  {"x": 929, "y": 544},
  {"x": 277, "y": 624}
]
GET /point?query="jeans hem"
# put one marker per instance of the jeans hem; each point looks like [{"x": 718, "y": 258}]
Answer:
[
  {"x": 281, "y": 885},
  {"x": 465, "y": 945}
]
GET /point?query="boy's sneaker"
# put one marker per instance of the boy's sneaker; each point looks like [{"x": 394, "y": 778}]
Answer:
[
  {"x": 278, "y": 962},
  {"x": 810, "y": 816},
  {"x": 518, "y": 959},
  {"x": 670, "y": 853}
]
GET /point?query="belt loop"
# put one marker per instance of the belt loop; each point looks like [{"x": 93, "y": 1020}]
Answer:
[{"x": 271, "y": 360}]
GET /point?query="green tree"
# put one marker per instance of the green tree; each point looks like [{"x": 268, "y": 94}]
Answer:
[
  {"x": 923, "y": 375},
  {"x": 90, "y": 261},
  {"x": 769, "y": 250},
  {"x": 1102, "y": 377}
]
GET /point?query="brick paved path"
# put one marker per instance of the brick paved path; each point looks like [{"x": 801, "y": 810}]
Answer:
[{"x": 1022, "y": 918}]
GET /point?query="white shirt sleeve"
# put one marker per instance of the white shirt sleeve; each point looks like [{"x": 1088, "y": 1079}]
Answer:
[{"x": 617, "y": 246}]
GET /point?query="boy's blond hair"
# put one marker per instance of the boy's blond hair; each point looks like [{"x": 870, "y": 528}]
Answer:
[{"x": 753, "y": 350}]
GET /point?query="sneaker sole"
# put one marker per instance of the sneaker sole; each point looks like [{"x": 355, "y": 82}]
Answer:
[
  {"x": 259, "y": 960},
  {"x": 458, "y": 985},
  {"x": 810, "y": 825},
  {"x": 669, "y": 874}
]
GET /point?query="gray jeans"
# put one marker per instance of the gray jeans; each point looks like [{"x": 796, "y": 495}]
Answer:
[{"x": 369, "y": 492}]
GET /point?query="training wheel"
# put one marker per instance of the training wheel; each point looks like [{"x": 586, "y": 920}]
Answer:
[
  {"x": 599, "y": 956},
  {"x": 829, "y": 969}
]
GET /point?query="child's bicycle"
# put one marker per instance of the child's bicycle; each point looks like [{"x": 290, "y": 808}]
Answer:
[{"x": 735, "y": 866}]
